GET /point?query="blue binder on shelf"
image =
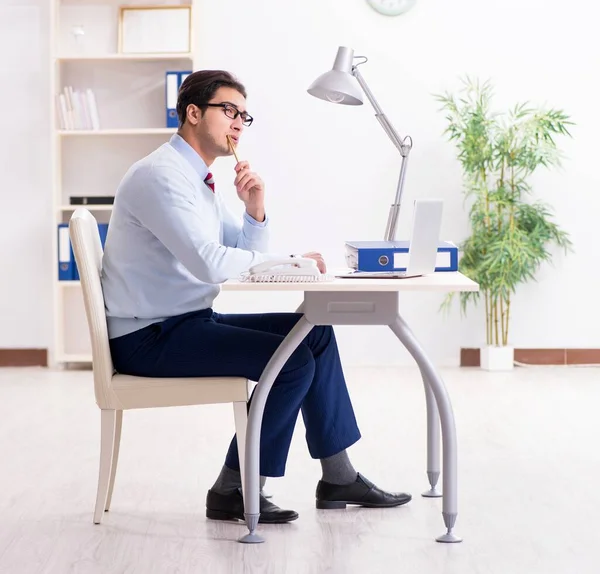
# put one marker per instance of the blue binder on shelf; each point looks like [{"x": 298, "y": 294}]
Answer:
[
  {"x": 66, "y": 258},
  {"x": 375, "y": 256},
  {"x": 173, "y": 81},
  {"x": 67, "y": 267},
  {"x": 102, "y": 230},
  {"x": 181, "y": 77}
]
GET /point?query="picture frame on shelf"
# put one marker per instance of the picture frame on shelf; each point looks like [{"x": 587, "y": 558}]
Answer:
[{"x": 165, "y": 29}]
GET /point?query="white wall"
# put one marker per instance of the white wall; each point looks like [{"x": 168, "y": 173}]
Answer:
[
  {"x": 25, "y": 201},
  {"x": 320, "y": 159},
  {"x": 330, "y": 170}
]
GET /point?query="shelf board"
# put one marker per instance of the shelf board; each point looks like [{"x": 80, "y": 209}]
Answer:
[
  {"x": 118, "y": 132},
  {"x": 68, "y": 284},
  {"x": 90, "y": 207},
  {"x": 125, "y": 57},
  {"x": 74, "y": 358}
]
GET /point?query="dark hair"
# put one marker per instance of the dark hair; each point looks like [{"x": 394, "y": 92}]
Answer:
[{"x": 200, "y": 87}]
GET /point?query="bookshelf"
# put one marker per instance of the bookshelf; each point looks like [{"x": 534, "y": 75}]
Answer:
[
  {"x": 116, "y": 57},
  {"x": 117, "y": 132},
  {"x": 91, "y": 208},
  {"x": 129, "y": 92}
]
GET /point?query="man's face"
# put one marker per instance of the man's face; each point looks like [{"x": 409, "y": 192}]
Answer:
[{"x": 217, "y": 122}]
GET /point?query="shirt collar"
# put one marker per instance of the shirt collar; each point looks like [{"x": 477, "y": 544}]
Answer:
[{"x": 188, "y": 152}]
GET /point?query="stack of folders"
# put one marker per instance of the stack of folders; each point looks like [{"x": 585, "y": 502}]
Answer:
[
  {"x": 173, "y": 82},
  {"x": 393, "y": 256},
  {"x": 67, "y": 268},
  {"x": 77, "y": 110}
]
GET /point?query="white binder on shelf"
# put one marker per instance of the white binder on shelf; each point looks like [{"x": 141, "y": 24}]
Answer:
[{"x": 171, "y": 90}]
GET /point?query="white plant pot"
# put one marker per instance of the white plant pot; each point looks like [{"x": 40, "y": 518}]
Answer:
[{"x": 494, "y": 358}]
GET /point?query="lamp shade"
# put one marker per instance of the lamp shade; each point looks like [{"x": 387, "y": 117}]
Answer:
[{"x": 338, "y": 85}]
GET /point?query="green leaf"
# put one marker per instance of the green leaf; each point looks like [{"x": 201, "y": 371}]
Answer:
[{"x": 510, "y": 236}]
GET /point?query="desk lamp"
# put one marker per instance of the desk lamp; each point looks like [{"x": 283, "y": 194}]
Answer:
[{"x": 339, "y": 87}]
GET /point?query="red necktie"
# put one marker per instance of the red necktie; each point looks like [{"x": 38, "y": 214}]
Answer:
[{"x": 210, "y": 181}]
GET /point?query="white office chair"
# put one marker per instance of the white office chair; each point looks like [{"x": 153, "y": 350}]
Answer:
[{"x": 116, "y": 393}]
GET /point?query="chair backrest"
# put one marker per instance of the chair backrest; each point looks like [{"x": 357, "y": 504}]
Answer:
[{"x": 85, "y": 239}]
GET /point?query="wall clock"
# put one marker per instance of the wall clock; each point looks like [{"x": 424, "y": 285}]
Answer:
[{"x": 391, "y": 7}]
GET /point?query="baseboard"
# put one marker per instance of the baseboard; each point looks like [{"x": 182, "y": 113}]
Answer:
[
  {"x": 23, "y": 357},
  {"x": 469, "y": 357}
]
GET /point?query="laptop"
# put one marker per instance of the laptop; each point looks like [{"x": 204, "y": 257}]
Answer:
[{"x": 422, "y": 252}]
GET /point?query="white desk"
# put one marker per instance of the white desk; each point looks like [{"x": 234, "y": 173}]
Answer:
[{"x": 360, "y": 302}]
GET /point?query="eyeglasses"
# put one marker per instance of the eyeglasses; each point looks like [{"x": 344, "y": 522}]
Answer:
[{"x": 232, "y": 112}]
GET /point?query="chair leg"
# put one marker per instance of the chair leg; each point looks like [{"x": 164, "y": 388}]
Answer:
[
  {"x": 240, "y": 413},
  {"x": 115, "y": 458},
  {"x": 107, "y": 442}
]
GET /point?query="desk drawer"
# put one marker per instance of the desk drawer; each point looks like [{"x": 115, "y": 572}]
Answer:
[{"x": 350, "y": 308}]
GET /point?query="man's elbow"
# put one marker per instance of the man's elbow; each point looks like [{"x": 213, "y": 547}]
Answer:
[
  {"x": 213, "y": 269},
  {"x": 214, "y": 278},
  {"x": 212, "y": 275}
]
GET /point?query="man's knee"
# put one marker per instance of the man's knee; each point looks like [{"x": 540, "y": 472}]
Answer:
[
  {"x": 301, "y": 364},
  {"x": 322, "y": 336}
]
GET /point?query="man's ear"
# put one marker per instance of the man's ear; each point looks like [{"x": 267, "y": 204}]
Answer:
[{"x": 193, "y": 114}]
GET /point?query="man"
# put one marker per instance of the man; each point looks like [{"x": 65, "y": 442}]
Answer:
[{"x": 170, "y": 243}]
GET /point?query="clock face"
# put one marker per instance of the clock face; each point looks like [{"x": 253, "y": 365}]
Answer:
[{"x": 391, "y": 7}]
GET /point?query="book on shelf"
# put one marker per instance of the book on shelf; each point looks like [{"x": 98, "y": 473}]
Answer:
[
  {"x": 173, "y": 81},
  {"x": 77, "y": 109},
  {"x": 67, "y": 266},
  {"x": 91, "y": 199}
]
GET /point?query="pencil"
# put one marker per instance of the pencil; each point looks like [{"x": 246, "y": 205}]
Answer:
[{"x": 233, "y": 149}]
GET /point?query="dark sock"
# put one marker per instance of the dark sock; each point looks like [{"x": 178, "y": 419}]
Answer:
[
  {"x": 230, "y": 480},
  {"x": 338, "y": 469}
]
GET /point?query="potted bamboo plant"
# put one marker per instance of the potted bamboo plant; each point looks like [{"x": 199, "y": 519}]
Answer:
[{"x": 512, "y": 233}]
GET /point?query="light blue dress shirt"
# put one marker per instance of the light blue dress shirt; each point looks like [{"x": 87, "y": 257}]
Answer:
[{"x": 171, "y": 241}]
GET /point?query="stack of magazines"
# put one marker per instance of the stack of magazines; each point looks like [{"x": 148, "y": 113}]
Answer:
[{"x": 77, "y": 110}]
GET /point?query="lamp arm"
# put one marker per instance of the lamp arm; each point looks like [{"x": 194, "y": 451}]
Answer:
[
  {"x": 381, "y": 117},
  {"x": 403, "y": 145}
]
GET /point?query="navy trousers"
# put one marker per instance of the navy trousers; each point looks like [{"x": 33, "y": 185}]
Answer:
[{"x": 208, "y": 344}]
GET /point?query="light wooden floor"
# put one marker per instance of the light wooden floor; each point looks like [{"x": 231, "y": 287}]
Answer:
[{"x": 529, "y": 498}]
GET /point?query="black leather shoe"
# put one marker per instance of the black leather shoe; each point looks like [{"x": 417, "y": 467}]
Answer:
[
  {"x": 231, "y": 507},
  {"x": 361, "y": 492}
]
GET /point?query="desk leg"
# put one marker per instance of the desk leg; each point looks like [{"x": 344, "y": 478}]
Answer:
[
  {"x": 449, "y": 505},
  {"x": 257, "y": 408},
  {"x": 433, "y": 440},
  {"x": 300, "y": 309}
]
